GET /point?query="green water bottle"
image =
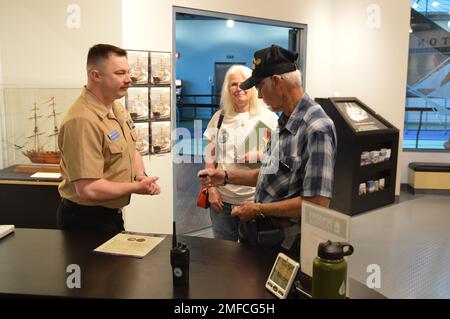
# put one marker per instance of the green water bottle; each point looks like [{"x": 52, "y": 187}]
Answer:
[{"x": 330, "y": 270}]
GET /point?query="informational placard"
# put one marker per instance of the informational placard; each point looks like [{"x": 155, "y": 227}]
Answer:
[
  {"x": 129, "y": 244},
  {"x": 320, "y": 224},
  {"x": 358, "y": 118},
  {"x": 46, "y": 175}
]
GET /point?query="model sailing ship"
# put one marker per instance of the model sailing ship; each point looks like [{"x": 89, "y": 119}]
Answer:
[{"x": 37, "y": 154}]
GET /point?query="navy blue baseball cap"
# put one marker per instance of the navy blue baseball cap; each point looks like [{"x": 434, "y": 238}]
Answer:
[{"x": 270, "y": 61}]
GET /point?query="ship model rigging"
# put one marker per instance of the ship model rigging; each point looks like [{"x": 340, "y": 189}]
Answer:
[{"x": 38, "y": 154}]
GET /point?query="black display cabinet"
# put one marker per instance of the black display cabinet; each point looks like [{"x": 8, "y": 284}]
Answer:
[{"x": 366, "y": 159}]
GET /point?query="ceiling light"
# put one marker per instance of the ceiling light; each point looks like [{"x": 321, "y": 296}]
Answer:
[
  {"x": 230, "y": 23},
  {"x": 435, "y": 4}
]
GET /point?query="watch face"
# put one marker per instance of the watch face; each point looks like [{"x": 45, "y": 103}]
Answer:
[{"x": 178, "y": 272}]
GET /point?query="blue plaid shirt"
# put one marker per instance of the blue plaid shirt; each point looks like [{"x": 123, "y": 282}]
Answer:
[{"x": 306, "y": 148}]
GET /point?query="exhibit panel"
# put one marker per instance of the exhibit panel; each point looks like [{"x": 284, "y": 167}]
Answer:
[{"x": 366, "y": 159}]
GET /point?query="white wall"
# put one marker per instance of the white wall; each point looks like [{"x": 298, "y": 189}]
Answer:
[
  {"x": 344, "y": 55},
  {"x": 2, "y": 119},
  {"x": 409, "y": 157},
  {"x": 40, "y": 57},
  {"x": 39, "y": 50},
  {"x": 371, "y": 63}
]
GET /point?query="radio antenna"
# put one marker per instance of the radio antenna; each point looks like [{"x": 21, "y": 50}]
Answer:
[{"x": 174, "y": 236}]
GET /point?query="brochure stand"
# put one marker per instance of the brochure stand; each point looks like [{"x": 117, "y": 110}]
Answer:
[{"x": 366, "y": 159}]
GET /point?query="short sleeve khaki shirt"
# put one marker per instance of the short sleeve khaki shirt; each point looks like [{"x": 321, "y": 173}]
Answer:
[{"x": 96, "y": 144}]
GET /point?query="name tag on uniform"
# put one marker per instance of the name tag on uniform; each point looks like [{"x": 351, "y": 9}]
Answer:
[{"x": 114, "y": 135}]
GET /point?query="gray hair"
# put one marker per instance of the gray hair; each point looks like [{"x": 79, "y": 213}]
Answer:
[
  {"x": 255, "y": 107},
  {"x": 293, "y": 78}
]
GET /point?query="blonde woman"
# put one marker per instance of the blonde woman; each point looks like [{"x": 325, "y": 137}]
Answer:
[{"x": 242, "y": 111}]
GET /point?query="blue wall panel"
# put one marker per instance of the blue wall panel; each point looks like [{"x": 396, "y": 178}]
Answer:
[{"x": 201, "y": 43}]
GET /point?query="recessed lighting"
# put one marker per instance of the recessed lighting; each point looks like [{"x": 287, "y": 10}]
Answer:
[
  {"x": 435, "y": 4},
  {"x": 230, "y": 23}
]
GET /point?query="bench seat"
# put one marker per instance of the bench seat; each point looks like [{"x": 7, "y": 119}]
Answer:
[{"x": 429, "y": 178}]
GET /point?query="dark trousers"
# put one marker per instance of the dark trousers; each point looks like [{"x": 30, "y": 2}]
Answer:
[{"x": 71, "y": 216}]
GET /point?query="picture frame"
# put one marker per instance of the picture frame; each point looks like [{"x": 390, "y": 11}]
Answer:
[
  {"x": 160, "y": 103},
  {"x": 137, "y": 103},
  {"x": 143, "y": 137},
  {"x": 160, "y": 137},
  {"x": 139, "y": 66},
  {"x": 161, "y": 68}
]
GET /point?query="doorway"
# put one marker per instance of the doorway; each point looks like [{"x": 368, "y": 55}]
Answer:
[
  {"x": 220, "y": 68},
  {"x": 206, "y": 46}
]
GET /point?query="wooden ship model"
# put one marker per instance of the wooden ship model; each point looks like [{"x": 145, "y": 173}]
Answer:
[{"x": 37, "y": 154}]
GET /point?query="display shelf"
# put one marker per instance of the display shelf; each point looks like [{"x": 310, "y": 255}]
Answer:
[
  {"x": 368, "y": 170},
  {"x": 372, "y": 200},
  {"x": 362, "y": 136},
  {"x": 365, "y": 169},
  {"x": 149, "y": 99}
]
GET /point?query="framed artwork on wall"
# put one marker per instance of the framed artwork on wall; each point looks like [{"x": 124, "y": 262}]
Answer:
[
  {"x": 160, "y": 103},
  {"x": 160, "y": 68},
  {"x": 137, "y": 103},
  {"x": 160, "y": 137},
  {"x": 139, "y": 66},
  {"x": 142, "y": 142}
]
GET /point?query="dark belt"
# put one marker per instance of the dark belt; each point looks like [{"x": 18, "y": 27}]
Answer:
[
  {"x": 269, "y": 223},
  {"x": 71, "y": 204}
]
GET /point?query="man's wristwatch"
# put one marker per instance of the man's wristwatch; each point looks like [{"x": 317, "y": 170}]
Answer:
[
  {"x": 259, "y": 213},
  {"x": 225, "y": 179}
]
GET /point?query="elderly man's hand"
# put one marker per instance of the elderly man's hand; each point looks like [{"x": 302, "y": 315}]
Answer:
[
  {"x": 246, "y": 212},
  {"x": 211, "y": 177}
]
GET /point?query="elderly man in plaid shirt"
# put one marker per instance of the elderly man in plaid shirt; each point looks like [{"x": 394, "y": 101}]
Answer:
[{"x": 300, "y": 158}]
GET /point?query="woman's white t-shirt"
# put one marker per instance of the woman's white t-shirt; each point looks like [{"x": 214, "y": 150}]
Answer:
[{"x": 229, "y": 152}]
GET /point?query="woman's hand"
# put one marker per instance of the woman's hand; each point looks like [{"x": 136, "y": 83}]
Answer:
[
  {"x": 215, "y": 199},
  {"x": 251, "y": 157}
]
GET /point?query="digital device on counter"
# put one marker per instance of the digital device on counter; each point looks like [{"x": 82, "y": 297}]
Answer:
[
  {"x": 282, "y": 276},
  {"x": 179, "y": 259}
]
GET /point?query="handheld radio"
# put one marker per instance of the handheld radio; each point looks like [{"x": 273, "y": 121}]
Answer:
[{"x": 179, "y": 259}]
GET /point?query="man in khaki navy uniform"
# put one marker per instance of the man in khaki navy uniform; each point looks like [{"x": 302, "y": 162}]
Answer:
[{"x": 99, "y": 162}]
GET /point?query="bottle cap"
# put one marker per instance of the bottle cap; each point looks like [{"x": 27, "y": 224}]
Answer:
[{"x": 334, "y": 251}]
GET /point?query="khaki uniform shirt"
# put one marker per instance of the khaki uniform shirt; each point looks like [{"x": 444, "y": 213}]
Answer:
[{"x": 95, "y": 144}]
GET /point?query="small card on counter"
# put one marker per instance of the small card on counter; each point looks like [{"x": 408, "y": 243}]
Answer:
[
  {"x": 129, "y": 244},
  {"x": 6, "y": 230},
  {"x": 45, "y": 175}
]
